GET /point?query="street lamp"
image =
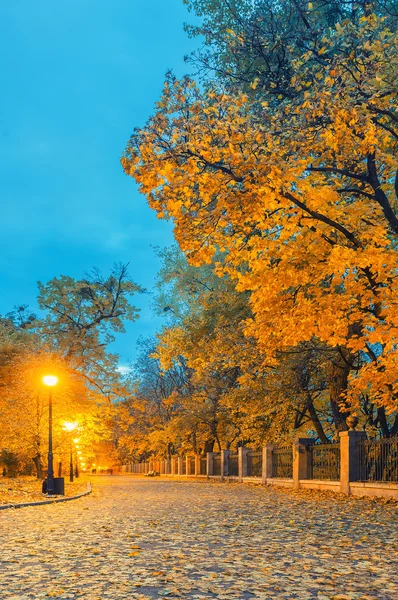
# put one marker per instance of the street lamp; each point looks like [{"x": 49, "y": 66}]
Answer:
[
  {"x": 50, "y": 381},
  {"x": 76, "y": 442},
  {"x": 70, "y": 427}
]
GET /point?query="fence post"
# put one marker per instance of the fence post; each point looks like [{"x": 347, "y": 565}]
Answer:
[
  {"x": 210, "y": 463},
  {"x": 173, "y": 465},
  {"x": 242, "y": 462},
  {"x": 300, "y": 460},
  {"x": 187, "y": 464},
  {"x": 162, "y": 466},
  {"x": 267, "y": 462},
  {"x": 180, "y": 467},
  {"x": 349, "y": 458},
  {"x": 197, "y": 465},
  {"x": 224, "y": 464}
]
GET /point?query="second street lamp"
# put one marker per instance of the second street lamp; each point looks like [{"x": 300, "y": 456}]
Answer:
[
  {"x": 76, "y": 441},
  {"x": 70, "y": 427}
]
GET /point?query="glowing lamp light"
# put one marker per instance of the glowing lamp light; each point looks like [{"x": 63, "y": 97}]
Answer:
[
  {"x": 70, "y": 426},
  {"x": 50, "y": 380}
]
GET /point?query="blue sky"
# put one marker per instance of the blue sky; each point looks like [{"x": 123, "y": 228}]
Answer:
[{"x": 76, "y": 77}]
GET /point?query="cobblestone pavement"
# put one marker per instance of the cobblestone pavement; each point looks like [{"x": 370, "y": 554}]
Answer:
[{"x": 150, "y": 538}]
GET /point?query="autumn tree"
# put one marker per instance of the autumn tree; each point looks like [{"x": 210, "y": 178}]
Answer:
[
  {"x": 71, "y": 341},
  {"x": 297, "y": 189},
  {"x": 144, "y": 421},
  {"x": 83, "y": 315}
]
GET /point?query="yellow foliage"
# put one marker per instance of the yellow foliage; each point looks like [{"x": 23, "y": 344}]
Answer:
[{"x": 300, "y": 198}]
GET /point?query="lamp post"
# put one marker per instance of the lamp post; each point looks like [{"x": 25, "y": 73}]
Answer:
[
  {"x": 70, "y": 427},
  {"x": 76, "y": 442},
  {"x": 50, "y": 381}
]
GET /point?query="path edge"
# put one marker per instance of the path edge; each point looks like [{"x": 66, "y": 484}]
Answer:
[{"x": 55, "y": 501}]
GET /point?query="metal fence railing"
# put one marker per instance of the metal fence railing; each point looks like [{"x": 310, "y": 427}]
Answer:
[
  {"x": 184, "y": 466},
  {"x": 282, "y": 462},
  {"x": 217, "y": 464},
  {"x": 192, "y": 466},
  {"x": 203, "y": 465},
  {"x": 233, "y": 468},
  {"x": 324, "y": 461},
  {"x": 254, "y": 464},
  {"x": 378, "y": 459}
]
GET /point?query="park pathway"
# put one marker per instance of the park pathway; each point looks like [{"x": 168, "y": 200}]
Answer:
[{"x": 139, "y": 538}]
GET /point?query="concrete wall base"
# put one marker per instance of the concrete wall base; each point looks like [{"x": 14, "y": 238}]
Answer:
[
  {"x": 381, "y": 490},
  {"x": 356, "y": 488},
  {"x": 320, "y": 484},
  {"x": 279, "y": 481}
]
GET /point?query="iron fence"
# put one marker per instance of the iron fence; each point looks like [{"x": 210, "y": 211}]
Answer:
[
  {"x": 378, "y": 459},
  {"x": 203, "y": 465},
  {"x": 233, "y": 468},
  {"x": 254, "y": 464},
  {"x": 324, "y": 461},
  {"x": 217, "y": 464},
  {"x": 192, "y": 466},
  {"x": 282, "y": 462},
  {"x": 184, "y": 466}
]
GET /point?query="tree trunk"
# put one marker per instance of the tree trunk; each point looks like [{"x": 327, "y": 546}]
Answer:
[
  {"x": 338, "y": 381},
  {"x": 209, "y": 445},
  {"x": 315, "y": 420},
  {"x": 37, "y": 462},
  {"x": 382, "y": 420}
]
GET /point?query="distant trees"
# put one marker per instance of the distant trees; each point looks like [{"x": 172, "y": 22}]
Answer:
[{"x": 204, "y": 384}]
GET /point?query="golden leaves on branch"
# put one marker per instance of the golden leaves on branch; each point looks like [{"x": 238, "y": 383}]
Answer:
[{"x": 298, "y": 195}]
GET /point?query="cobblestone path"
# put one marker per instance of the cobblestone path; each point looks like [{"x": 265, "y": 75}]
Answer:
[{"x": 144, "y": 538}]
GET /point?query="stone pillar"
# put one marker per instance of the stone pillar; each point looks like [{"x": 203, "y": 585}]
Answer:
[
  {"x": 173, "y": 465},
  {"x": 180, "y": 459},
  {"x": 242, "y": 462},
  {"x": 147, "y": 469},
  {"x": 267, "y": 462},
  {"x": 210, "y": 469},
  {"x": 300, "y": 460},
  {"x": 349, "y": 458},
  {"x": 167, "y": 467},
  {"x": 162, "y": 467},
  {"x": 187, "y": 465},
  {"x": 197, "y": 465}
]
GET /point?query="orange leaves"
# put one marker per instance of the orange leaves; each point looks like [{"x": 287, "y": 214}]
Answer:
[{"x": 286, "y": 191}]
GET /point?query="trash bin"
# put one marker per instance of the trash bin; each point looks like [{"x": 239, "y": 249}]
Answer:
[{"x": 59, "y": 486}]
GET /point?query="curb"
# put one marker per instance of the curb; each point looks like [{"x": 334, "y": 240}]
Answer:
[{"x": 55, "y": 501}]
